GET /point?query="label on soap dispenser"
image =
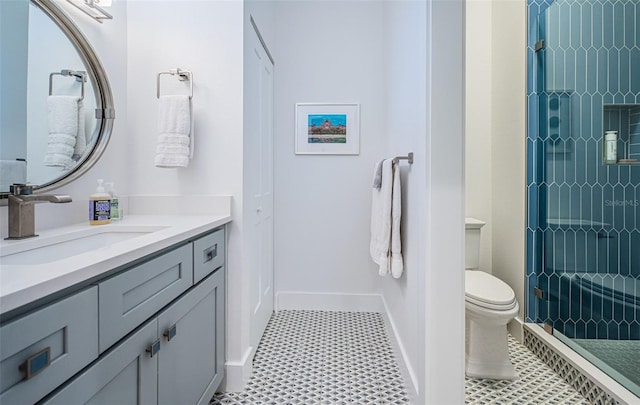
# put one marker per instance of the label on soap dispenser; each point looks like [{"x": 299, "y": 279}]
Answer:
[{"x": 99, "y": 210}]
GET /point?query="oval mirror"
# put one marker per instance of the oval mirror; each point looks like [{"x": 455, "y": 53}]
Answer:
[{"x": 56, "y": 109}]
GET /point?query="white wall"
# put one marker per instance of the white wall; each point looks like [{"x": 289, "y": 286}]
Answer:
[
  {"x": 478, "y": 121},
  {"x": 406, "y": 97},
  {"x": 327, "y": 52},
  {"x": 508, "y": 144},
  {"x": 496, "y": 137},
  {"x": 444, "y": 281}
]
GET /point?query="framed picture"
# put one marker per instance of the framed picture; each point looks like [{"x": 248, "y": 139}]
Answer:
[{"x": 331, "y": 129}]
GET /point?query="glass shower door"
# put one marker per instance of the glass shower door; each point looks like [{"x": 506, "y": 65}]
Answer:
[{"x": 586, "y": 226}]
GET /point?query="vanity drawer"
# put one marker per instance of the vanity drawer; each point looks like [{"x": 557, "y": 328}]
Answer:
[
  {"x": 129, "y": 299},
  {"x": 208, "y": 254},
  {"x": 51, "y": 345}
]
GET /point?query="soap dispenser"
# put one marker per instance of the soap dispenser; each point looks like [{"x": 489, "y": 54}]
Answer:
[
  {"x": 99, "y": 206},
  {"x": 115, "y": 202}
]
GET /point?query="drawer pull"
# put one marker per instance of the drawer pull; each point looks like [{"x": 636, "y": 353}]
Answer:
[
  {"x": 36, "y": 363},
  {"x": 210, "y": 253},
  {"x": 153, "y": 348},
  {"x": 170, "y": 333}
]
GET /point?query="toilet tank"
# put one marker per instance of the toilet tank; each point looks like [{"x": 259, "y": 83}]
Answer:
[{"x": 472, "y": 243}]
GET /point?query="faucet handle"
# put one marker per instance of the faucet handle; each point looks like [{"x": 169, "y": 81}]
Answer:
[{"x": 21, "y": 189}]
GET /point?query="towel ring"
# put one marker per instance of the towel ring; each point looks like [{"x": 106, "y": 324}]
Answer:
[
  {"x": 182, "y": 76},
  {"x": 80, "y": 76}
]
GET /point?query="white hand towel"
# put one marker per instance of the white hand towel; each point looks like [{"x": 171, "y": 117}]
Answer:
[
  {"x": 386, "y": 208},
  {"x": 397, "y": 264},
  {"x": 381, "y": 219},
  {"x": 63, "y": 130},
  {"x": 81, "y": 137},
  {"x": 175, "y": 135}
]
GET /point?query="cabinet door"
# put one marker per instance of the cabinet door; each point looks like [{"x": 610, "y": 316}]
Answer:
[
  {"x": 125, "y": 375},
  {"x": 130, "y": 298},
  {"x": 191, "y": 362},
  {"x": 41, "y": 350}
]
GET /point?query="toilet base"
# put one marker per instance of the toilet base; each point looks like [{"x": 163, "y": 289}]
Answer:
[{"x": 487, "y": 351}]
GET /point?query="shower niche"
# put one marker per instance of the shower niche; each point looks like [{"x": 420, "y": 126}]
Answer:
[{"x": 621, "y": 126}]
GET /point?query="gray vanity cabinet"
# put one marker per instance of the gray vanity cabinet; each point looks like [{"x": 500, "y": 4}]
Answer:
[
  {"x": 184, "y": 368},
  {"x": 191, "y": 357},
  {"x": 149, "y": 334},
  {"x": 130, "y": 298},
  {"x": 124, "y": 375},
  {"x": 42, "y": 350}
]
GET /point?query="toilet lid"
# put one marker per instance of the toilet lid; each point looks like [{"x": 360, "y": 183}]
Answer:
[{"x": 481, "y": 287}]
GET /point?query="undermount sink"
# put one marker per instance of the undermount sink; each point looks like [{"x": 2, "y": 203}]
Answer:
[{"x": 42, "y": 250}]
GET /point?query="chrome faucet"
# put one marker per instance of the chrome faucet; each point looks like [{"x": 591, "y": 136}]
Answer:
[{"x": 22, "y": 212}]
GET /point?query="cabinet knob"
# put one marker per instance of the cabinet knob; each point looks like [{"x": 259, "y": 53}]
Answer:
[
  {"x": 170, "y": 333},
  {"x": 153, "y": 348},
  {"x": 36, "y": 363}
]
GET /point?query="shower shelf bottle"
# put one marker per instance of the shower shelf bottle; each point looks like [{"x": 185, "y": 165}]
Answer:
[
  {"x": 100, "y": 206},
  {"x": 610, "y": 147}
]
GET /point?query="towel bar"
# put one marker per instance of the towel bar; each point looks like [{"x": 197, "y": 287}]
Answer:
[
  {"x": 182, "y": 76},
  {"x": 408, "y": 158},
  {"x": 80, "y": 76}
]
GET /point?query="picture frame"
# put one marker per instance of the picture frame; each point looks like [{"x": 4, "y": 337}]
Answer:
[{"x": 327, "y": 129}]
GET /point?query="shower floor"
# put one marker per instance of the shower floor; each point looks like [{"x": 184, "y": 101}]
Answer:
[{"x": 623, "y": 356}]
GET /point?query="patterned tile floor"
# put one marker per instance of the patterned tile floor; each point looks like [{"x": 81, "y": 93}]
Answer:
[
  {"x": 328, "y": 358},
  {"x": 538, "y": 384},
  {"x": 318, "y": 357}
]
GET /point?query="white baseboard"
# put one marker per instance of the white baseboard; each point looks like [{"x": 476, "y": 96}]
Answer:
[
  {"x": 408, "y": 374},
  {"x": 515, "y": 329},
  {"x": 289, "y": 300},
  {"x": 238, "y": 373},
  {"x": 329, "y": 302}
]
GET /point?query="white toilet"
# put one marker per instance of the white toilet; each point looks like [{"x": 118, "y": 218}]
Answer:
[{"x": 489, "y": 306}]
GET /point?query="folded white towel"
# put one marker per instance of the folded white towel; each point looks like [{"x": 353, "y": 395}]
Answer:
[
  {"x": 12, "y": 172},
  {"x": 385, "y": 245},
  {"x": 175, "y": 132},
  {"x": 63, "y": 130}
]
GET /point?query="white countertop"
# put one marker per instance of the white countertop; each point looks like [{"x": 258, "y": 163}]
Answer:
[{"x": 23, "y": 284}]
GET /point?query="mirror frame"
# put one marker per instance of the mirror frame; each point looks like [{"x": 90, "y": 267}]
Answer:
[{"x": 105, "y": 111}]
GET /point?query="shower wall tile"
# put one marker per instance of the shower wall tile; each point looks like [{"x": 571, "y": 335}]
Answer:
[{"x": 583, "y": 216}]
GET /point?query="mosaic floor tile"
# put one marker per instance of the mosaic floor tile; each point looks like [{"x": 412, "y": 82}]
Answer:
[
  {"x": 320, "y": 357},
  {"x": 330, "y": 358},
  {"x": 538, "y": 384}
]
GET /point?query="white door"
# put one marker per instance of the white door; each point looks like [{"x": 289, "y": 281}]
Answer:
[{"x": 259, "y": 147}]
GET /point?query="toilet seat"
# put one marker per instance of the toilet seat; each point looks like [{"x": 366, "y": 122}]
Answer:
[{"x": 485, "y": 290}]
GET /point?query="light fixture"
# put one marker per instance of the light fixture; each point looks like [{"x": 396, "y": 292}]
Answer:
[{"x": 93, "y": 8}]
